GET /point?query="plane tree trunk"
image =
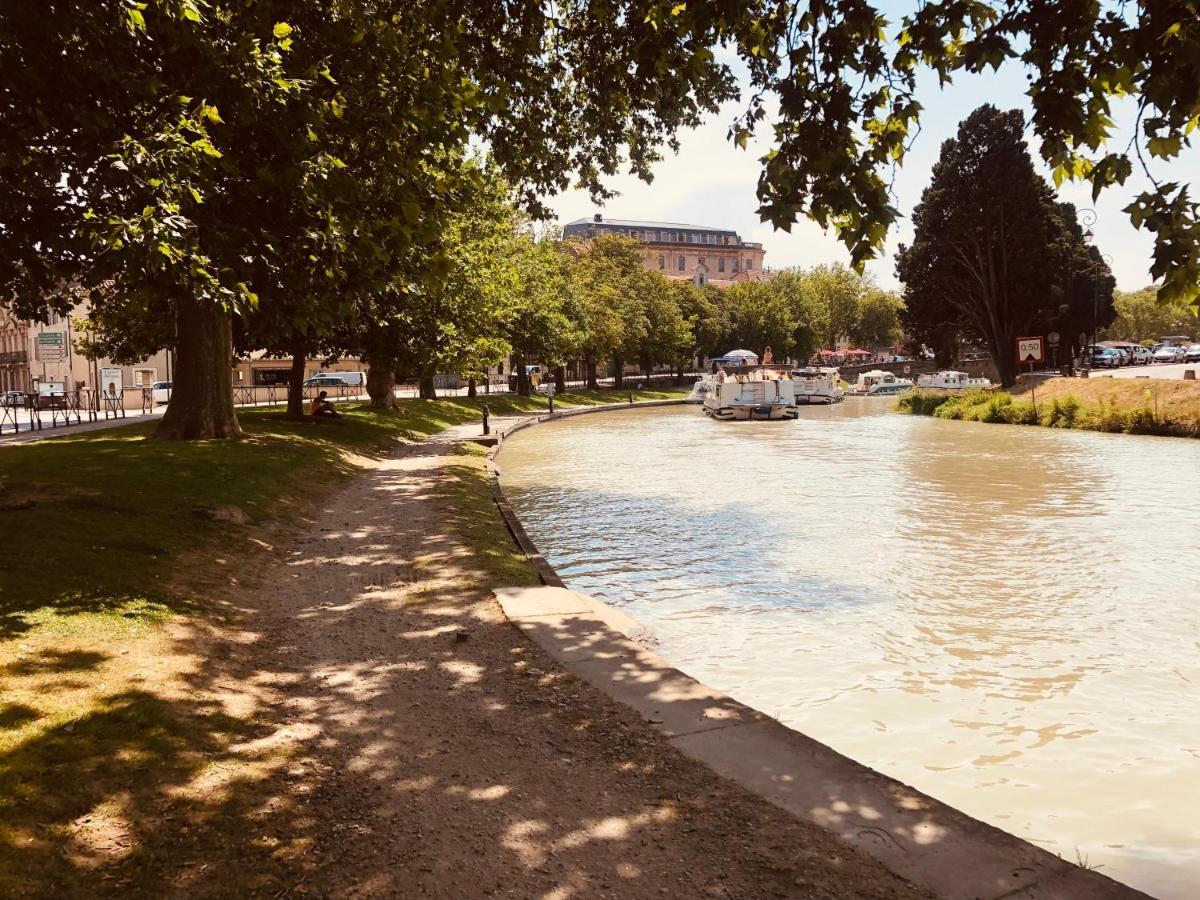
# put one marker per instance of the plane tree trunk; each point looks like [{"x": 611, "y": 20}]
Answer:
[
  {"x": 295, "y": 397},
  {"x": 201, "y": 404},
  {"x": 381, "y": 387}
]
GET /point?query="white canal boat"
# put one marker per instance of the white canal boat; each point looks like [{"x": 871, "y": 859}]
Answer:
[
  {"x": 877, "y": 382},
  {"x": 949, "y": 380},
  {"x": 817, "y": 384},
  {"x": 747, "y": 393}
]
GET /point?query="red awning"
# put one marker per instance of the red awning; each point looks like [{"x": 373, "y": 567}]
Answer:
[
  {"x": 858, "y": 352},
  {"x": 827, "y": 353}
]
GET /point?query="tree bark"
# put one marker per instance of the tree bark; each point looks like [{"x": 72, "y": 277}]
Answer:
[
  {"x": 560, "y": 379},
  {"x": 201, "y": 404},
  {"x": 428, "y": 390},
  {"x": 295, "y": 396},
  {"x": 619, "y": 374},
  {"x": 589, "y": 364},
  {"x": 522, "y": 376},
  {"x": 471, "y": 391},
  {"x": 679, "y": 373},
  {"x": 381, "y": 387}
]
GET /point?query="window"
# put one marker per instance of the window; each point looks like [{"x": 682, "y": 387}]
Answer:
[
  {"x": 633, "y": 233},
  {"x": 682, "y": 267},
  {"x": 662, "y": 262},
  {"x": 721, "y": 264},
  {"x": 735, "y": 265},
  {"x": 749, "y": 264},
  {"x": 681, "y": 237},
  {"x": 652, "y": 235}
]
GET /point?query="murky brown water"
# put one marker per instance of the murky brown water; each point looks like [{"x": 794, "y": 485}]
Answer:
[{"x": 1005, "y": 618}]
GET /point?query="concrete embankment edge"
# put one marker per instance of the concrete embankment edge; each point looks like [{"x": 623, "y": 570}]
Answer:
[{"x": 931, "y": 844}]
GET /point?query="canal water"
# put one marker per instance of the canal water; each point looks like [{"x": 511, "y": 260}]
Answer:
[{"x": 1006, "y": 618}]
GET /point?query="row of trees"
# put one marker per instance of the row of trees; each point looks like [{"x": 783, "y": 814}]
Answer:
[
  {"x": 284, "y": 172},
  {"x": 1141, "y": 317},
  {"x": 551, "y": 302}
]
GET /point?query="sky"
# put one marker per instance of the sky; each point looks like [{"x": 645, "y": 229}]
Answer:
[{"x": 711, "y": 182}]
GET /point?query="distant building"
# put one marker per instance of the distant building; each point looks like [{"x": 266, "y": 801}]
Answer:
[{"x": 696, "y": 253}]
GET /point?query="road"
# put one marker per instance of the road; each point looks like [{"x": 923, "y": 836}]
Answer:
[{"x": 1154, "y": 370}]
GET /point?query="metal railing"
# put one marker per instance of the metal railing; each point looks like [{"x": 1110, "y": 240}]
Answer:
[{"x": 26, "y": 412}]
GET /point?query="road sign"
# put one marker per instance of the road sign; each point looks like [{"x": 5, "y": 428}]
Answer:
[
  {"x": 1030, "y": 350},
  {"x": 1052, "y": 339},
  {"x": 50, "y": 346}
]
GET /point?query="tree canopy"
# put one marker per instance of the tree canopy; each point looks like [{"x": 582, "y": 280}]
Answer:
[
  {"x": 192, "y": 161},
  {"x": 994, "y": 256}
]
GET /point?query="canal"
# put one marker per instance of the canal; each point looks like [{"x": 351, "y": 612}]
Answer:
[{"x": 1006, "y": 618}]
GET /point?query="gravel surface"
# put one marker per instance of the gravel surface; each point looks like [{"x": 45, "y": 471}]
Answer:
[{"x": 438, "y": 753}]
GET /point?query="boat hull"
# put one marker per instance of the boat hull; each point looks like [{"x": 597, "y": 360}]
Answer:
[{"x": 769, "y": 412}]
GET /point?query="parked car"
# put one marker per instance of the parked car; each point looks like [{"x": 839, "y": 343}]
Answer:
[
  {"x": 1141, "y": 355},
  {"x": 12, "y": 398},
  {"x": 1169, "y": 354},
  {"x": 337, "y": 379},
  {"x": 1125, "y": 356},
  {"x": 52, "y": 400},
  {"x": 1193, "y": 353},
  {"x": 161, "y": 391},
  {"x": 1105, "y": 358}
]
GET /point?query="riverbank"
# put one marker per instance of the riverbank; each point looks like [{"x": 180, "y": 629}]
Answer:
[
  {"x": 1129, "y": 406},
  {"x": 275, "y": 667}
]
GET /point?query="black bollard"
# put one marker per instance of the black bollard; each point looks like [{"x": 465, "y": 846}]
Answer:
[
  {"x": 631, "y": 396},
  {"x": 486, "y": 428},
  {"x": 552, "y": 403}
]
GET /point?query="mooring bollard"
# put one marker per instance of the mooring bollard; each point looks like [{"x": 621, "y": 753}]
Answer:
[
  {"x": 486, "y": 428},
  {"x": 631, "y": 396},
  {"x": 551, "y": 402}
]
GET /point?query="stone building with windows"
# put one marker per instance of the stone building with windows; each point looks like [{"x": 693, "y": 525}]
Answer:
[{"x": 697, "y": 253}]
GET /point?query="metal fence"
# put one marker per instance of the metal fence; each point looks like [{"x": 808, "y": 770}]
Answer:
[
  {"x": 20, "y": 411},
  {"x": 25, "y": 412}
]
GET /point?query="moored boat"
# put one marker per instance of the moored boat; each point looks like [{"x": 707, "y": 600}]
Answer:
[
  {"x": 817, "y": 384},
  {"x": 949, "y": 380},
  {"x": 878, "y": 382}
]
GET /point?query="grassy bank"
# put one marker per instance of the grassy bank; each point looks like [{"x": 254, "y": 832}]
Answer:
[
  {"x": 121, "y": 770},
  {"x": 1128, "y": 406}
]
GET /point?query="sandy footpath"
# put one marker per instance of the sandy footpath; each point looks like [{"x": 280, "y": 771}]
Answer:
[{"x": 438, "y": 753}]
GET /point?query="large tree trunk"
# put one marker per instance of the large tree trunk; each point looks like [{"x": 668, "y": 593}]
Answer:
[
  {"x": 1004, "y": 356},
  {"x": 381, "y": 387},
  {"x": 201, "y": 404},
  {"x": 589, "y": 365},
  {"x": 295, "y": 396},
  {"x": 471, "y": 390},
  {"x": 619, "y": 373},
  {"x": 679, "y": 373},
  {"x": 428, "y": 391},
  {"x": 522, "y": 376},
  {"x": 560, "y": 379}
]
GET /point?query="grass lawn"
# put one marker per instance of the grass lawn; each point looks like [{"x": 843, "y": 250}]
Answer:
[
  {"x": 1131, "y": 406},
  {"x": 119, "y": 771}
]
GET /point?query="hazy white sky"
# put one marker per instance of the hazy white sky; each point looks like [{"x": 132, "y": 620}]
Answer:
[{"x": 711, "y": 182}]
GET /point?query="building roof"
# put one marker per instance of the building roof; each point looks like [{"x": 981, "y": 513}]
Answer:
[{"x": 634, "y": 223}]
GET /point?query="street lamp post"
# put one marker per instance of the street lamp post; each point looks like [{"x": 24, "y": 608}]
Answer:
[{"x": 1087, "y": 218}]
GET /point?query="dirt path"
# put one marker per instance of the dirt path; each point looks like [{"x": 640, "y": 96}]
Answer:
[{"x": 438, "y": 753}]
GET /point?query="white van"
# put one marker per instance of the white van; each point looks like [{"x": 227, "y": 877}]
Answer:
[{"x": 327, "y": 379}]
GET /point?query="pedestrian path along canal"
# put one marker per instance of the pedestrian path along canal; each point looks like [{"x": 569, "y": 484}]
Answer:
[{"x": 1006, "y": 618}]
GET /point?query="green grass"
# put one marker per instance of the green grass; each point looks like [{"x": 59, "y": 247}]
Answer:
[
  {"x": 468, "y": 495},
  {"x": 110, "y": 741},
  {"x": 1056, "y": 411}
]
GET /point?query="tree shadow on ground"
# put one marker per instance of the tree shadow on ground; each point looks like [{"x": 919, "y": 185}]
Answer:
[{"x": 374, "y": 727}]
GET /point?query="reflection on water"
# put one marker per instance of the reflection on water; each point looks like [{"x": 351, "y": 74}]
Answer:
[{"x": 1006, "y": 618}]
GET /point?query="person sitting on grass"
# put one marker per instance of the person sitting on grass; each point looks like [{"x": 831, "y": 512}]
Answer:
[{"x": 323, "y": 407}]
